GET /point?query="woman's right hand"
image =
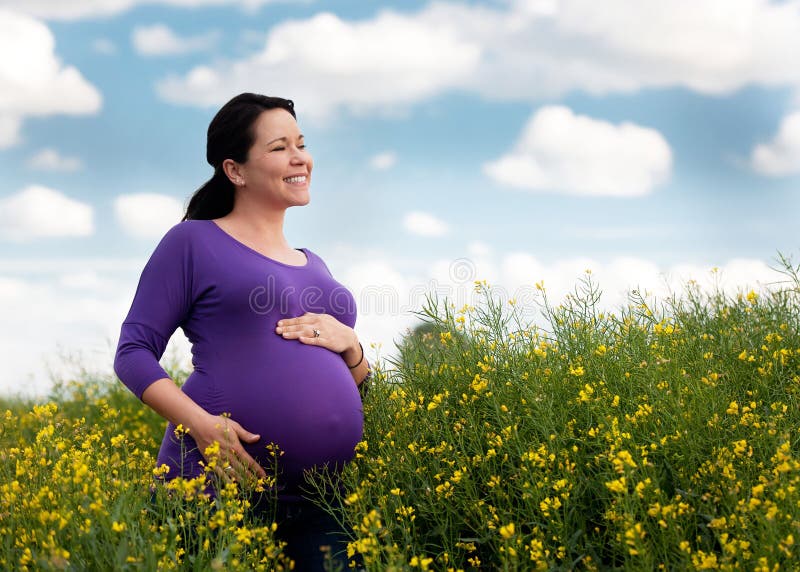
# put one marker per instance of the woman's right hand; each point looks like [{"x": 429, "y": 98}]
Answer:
[
  {"x": 169, "y": 401},
  {"x": 234, "y": 463}
]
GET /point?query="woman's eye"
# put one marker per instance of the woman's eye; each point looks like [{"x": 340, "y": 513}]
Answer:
[{"x": 302, "y": 146}]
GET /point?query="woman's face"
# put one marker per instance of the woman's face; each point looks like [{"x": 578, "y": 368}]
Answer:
[{"x": 278, "y": 167}]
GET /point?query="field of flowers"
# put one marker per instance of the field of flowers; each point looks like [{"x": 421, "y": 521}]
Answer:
[{"x": 664, "y": 435}]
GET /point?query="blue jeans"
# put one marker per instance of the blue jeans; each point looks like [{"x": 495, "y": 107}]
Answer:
[{"x": 314, "y": 539}]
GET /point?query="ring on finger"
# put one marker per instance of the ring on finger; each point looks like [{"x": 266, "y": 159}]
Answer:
[{"x": 316, "y": 333}]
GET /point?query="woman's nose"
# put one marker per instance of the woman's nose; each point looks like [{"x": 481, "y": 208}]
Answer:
[{"x": 300, "y": 156}]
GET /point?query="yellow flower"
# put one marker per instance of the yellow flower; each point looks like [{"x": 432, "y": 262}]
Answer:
[
  {"x": 244, "y": 535},
  {"x": 445, "y": 489},
  {"x": 118, "y": 440},
  {"x": 740, "y": 448},
  {"x": 703, "y": 561},
  {"x": 405, "y": 511},
  {"x": 586, "y": 393},
  {"x": 422, "y": 563},
  {"x": 577, "y": 371},
  {"x": 549, "y": 504},
  {"x": 507, "y": 531},
  {"x": 118, "y": 526},
  {"x": 478, "y": 384},
  {"x": 718, "y": 522},
  {"x": 618, "y": 486},
  {"x": 161, "y": 470}
]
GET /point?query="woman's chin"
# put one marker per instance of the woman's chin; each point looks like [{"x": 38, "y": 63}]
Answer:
[{"x": 301, "y": 198}]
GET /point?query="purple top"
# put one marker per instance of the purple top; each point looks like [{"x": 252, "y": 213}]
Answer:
[{"x": 228, "y": 298}]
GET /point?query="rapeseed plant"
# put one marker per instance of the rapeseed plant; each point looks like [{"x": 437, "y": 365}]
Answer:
[
  {"x": 75, "y": 477},
  {"x": 659, "y": 436}
]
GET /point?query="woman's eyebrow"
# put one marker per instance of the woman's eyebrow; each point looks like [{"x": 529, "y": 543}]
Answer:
[{"x": 284, "y": 139}]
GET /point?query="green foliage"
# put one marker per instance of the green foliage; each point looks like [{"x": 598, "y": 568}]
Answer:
[
  {"x": 659, "y": 436},
  {"x": 75, "y": 479}
]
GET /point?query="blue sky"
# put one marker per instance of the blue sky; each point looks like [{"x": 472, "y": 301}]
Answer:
[{"x": 514, "y": 140}]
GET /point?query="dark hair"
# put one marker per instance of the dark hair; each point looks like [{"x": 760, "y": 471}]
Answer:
[{"x": 230, "y": 136}]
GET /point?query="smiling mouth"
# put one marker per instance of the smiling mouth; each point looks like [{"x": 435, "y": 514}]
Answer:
[{"x": 296, "y": 180}]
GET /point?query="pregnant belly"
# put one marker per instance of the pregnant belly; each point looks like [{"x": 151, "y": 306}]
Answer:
[{"x": 305, "y": 402}]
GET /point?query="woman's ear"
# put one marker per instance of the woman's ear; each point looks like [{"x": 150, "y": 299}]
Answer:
[{"x": 234, "y": 172}]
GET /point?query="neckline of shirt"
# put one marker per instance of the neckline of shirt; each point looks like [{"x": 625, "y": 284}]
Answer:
[{"x": 257, "y": 253}]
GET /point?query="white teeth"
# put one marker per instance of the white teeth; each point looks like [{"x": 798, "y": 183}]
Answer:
[{"x": 301, "y": 179}]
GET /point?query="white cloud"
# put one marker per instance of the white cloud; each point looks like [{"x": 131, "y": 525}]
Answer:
[
  {"x": 104, "y": 46},
  {"x": 88, "y": 9},
  {"x": 781, "y": 156},
  {"x": 619, "y": 232},
  {"x": 61, "y": 320},
  {"x": 388, "y": 291},
  {"x": 559, "y": 151},
  {"x": 460, "y": 274},
  {"x": 383, "y": 161},
  {"x": 147, "y": 215},
  {"x": 33, "y": 81},
  {"x": 52, "y": 160},
  {"x": 424, "y": 224},
  {"x": 515, "y": 274},
  {"x": 72, "y": 10},
  {"x": 621, "y": 46},
  {"x": 478, "y": 249},
  {"x": 381, "y": 319},
  {"x": 520, "y": 51},
  {"x": 9, "y": 130},
  {"x": 40, "y": 212},
  {"x": 86, "y": 280},
  {"x": 30, "y": 267},
  {"x": 326, "y": 63},
  {"x": 159, "y": 40}
]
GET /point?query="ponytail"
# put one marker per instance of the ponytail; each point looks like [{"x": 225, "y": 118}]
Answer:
[{"x": 213, "y": 200}]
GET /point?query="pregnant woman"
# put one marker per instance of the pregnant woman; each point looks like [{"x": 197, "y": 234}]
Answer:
[{"x": 275, "y": 356}]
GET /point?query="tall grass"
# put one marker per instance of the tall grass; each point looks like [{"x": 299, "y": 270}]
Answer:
[{"x": 660, "y": 436}]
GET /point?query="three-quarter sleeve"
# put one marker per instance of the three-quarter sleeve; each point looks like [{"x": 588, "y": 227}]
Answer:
[{"x": 162, "y": 302}]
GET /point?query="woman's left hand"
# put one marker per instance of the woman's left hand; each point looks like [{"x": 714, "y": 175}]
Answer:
[{"x": 333, "y": 334}]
